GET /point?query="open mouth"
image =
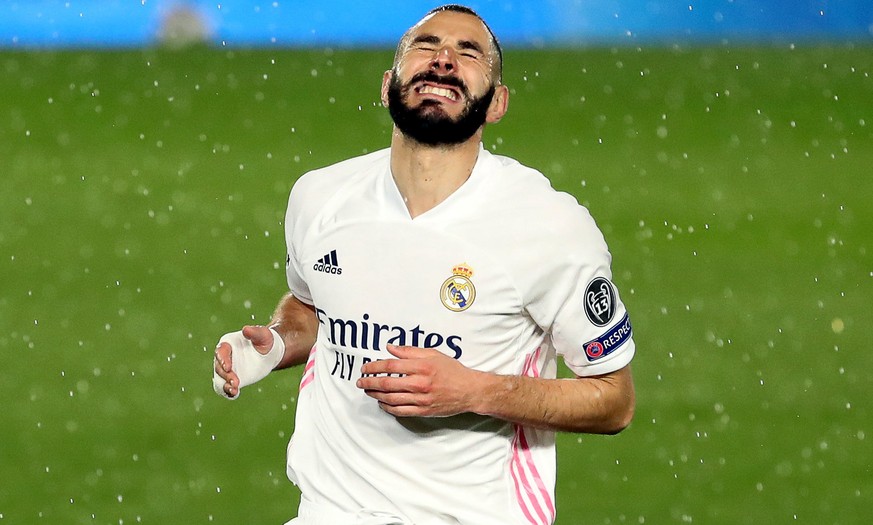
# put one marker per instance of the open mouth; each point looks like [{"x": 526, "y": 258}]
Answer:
[{"x": 440, "y": 91}]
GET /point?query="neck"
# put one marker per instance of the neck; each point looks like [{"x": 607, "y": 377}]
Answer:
[{"x": 427, "y": 175}]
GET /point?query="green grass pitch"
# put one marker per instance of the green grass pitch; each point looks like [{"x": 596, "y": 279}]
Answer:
[{"x": 141, "y": 218}]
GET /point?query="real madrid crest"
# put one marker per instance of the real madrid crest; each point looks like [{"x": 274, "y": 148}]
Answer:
[{"x": 457, "y": 292}]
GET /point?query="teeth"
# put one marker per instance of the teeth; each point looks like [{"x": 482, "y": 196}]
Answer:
[{"x": 439, "y": 91}]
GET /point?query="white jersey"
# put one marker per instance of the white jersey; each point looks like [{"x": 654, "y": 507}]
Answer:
[{"x": 504, "y": 275}]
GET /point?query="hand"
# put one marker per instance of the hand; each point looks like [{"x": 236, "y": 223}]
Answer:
[
  {"x": 261, "y": 338},
  {"x": 431, "y": 383}
]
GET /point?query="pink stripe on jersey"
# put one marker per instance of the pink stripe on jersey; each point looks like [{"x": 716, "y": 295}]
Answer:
[
  {"x": 528, "y": 505},
  {"x": 308, "y": 371},
  {"x": 530, "y": 364},
  {"x": 533, "y": 498},
  {"x": 531, "y": 464}
]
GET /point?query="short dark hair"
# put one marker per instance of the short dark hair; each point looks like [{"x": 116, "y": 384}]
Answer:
[{"x": 457, "y": 8}]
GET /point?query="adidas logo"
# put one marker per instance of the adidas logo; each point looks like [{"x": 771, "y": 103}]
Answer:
[{"x": 328, "y": 264}]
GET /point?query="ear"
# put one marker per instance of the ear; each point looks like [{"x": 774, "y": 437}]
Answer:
[
  {"x": 499, "y": 105},
  {"x": 386, "y": 79}
]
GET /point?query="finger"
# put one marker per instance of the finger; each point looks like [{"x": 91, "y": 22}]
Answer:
[
  {"x": 260, "y": 336},
  {"x": 383, "y": 384},
  {"x": 395, "y": 399},
  {"x": 231, "y": 387},
  {"x": 405, "y": 410},
  {"x": 413, "y": 352},
  {"x": 407, "y": 352},
  {"x": 412, "y": 384},
  {"x": 395, "y": 350},
  {"x": 223, "y": 358},
  {"x": 391, "y": 366},
  {"x": 219, "y": 370},
  {"x": 374, "y": 383}
]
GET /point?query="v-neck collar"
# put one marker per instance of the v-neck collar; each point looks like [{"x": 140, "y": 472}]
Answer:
[{"x": 450, "y": 205}]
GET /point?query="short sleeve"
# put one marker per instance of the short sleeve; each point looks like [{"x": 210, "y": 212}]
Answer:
[
  {"x": 296, "y": 224},
  {"x": 575, "y": 301}
]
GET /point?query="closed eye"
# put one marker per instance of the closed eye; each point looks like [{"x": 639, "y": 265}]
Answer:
[
  {"x": 426, "y": 42},
  {"x": 470, "y": 49},
  {"x": 466, "y": 48}
]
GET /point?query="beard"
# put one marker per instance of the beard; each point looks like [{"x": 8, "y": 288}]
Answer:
[{"x": 428, "y": 124}]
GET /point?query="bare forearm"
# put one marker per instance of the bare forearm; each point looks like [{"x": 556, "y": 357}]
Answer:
[
  {"x": 597, "y": 405},
  {"x": 297, "y": 324}
]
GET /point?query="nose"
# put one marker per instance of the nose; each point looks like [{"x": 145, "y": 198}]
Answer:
[{"x": 445, "y": 60}]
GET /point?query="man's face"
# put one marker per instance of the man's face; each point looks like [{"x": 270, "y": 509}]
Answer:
[
  {"x": 441, "y": 87},
  {"x": 429, "y": 123}
]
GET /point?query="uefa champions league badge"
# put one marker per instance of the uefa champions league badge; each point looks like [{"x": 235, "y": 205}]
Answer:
[
  {"x": 457, "y": 292},
  {"x": 599, "y": 301}
]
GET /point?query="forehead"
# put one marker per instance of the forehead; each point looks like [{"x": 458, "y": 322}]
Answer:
[{"x": 452, "y": 26}]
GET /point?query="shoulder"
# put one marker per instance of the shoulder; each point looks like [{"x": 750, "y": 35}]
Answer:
[
  {"x": 315, "y": 187},
  {"x": 328, "y": 178},
  {"x": 524, "y": 196}
]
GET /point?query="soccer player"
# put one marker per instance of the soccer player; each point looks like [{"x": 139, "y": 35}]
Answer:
[{"x": 433, "y": 286}]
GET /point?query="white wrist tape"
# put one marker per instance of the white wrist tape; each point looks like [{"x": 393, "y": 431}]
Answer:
[{"x": 250, "y": 365}]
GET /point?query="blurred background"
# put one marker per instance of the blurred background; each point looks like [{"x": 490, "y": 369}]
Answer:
[
  {"x": 147, "y": 149},
  {"x": 134, "y": 23}
]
